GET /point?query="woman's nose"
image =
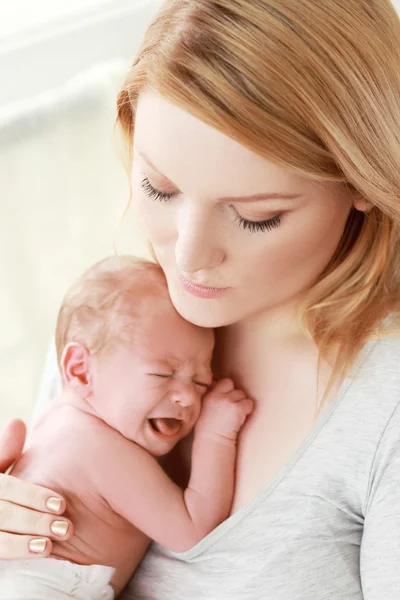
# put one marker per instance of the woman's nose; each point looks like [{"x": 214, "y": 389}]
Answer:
[{"x": 197, "y": 247}]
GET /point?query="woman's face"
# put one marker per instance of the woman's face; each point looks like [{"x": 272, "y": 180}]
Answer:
[{"x": 235, "y": 234}]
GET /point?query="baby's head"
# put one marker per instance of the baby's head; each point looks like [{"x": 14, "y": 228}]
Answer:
[{"x": 123, "y": 348}]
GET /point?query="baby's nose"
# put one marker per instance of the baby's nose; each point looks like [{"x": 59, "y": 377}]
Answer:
[{"x": 184, "y": 395}]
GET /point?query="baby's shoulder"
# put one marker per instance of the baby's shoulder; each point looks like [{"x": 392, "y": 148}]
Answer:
[
  {"x": 72, "y": 428},
  {"x": 83, "y": 440}
]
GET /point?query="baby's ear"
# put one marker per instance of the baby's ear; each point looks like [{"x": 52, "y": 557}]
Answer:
[{"x": 76, "y": 369}]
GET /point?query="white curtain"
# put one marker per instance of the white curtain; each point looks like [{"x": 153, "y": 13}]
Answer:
[{"x": 62, "y": 190}]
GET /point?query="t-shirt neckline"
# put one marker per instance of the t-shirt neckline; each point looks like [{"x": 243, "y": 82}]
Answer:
[{"x": 284, "y": 471}]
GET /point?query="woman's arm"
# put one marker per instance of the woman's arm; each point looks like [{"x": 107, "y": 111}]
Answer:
[{"x": 27, "y": 512}]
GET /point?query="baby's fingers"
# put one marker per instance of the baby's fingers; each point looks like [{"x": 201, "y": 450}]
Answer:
[
  {"x": 247, "y": 405},
  {"x": 223, "y": 386},
  {"x": 236, "y": 395}
]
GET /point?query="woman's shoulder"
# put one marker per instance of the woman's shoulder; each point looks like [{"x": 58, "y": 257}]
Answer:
[
  {"x": 370, "y": 396},
  {"x": 375, "y": 377},
  {"x": 380, "y": 356},
  {"x": 384, "y": 346}
]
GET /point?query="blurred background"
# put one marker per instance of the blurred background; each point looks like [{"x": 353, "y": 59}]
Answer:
[{"x": 62, "y": 183}]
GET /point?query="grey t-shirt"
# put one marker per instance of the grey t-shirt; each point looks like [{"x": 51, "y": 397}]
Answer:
[{"x": 326, "y": 528}]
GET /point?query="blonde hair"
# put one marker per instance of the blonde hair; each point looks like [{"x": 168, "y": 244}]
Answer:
[
  {"x": 106, "y": 303},
  {"x": 313, "y": 87}
]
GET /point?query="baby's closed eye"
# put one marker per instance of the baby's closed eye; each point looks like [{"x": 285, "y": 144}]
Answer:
[
  {"x": 163, "y": 375},
  {"x": 204, "y": 386}
]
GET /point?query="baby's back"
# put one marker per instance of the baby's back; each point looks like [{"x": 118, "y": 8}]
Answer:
[{"x": 67, "y": 452}]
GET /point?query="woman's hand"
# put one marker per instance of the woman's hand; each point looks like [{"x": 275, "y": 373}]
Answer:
[{"x": 27, "y": 511}]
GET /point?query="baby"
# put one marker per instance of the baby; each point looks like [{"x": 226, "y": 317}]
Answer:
[{"x": 136, "y": 380}]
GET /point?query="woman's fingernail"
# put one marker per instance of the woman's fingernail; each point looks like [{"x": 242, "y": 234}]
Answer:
[
  {"x": 38, "y": 546},
  {"x": 54, "y": 504},
  {"x": 59, "y": 528}
]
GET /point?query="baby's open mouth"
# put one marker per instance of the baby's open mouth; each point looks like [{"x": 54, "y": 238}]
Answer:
[{"x": 165, "y": 426}]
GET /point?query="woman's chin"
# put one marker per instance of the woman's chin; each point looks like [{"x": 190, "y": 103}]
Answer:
[{"x": 203, "y": 313}]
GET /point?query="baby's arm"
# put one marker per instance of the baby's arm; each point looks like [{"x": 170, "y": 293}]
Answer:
[
  {"x": 137, "y": 488},
  {"x": 209, "y": 494}
]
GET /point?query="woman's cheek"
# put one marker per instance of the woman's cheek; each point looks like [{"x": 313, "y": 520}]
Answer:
[{"x": 147, "y": 215}]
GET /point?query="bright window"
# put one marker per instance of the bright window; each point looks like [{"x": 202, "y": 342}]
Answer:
[{"x": 17, "y": 16}]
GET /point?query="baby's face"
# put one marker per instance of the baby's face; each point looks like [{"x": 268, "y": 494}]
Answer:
[{"x": 151, "y": 391}]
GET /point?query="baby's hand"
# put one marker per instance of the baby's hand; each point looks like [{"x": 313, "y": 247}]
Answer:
[{"x": 224, "y": 410}]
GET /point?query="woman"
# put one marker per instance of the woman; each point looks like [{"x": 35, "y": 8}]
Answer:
[{"x": 265, "y": 141}]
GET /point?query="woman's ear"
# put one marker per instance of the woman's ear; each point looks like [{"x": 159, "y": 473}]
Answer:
[
  {"x": 76, "y": 369},
  {"x": 361, "y": 204}
]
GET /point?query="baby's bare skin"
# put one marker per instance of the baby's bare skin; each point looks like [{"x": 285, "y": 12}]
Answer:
[
  {"x": 121, "y": 409},
  {"x": 85, "y": 447},
  {"x": 116, "y": 492}
]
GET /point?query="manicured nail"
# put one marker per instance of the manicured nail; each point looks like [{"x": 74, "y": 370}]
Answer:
[
  {"x": 54, "y": 504},
  {"x": 59, "y": 528},
  {"x": 38, "y": 546}
]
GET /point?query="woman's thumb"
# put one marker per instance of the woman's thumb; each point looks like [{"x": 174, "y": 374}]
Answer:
[{"x": 12, "y": 442}]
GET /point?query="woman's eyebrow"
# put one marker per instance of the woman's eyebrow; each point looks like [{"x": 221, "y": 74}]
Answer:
[
  {"x": 255, "y": 197},
  {"x": 142, "y": 154},
  {"x": 249, "y": 198}
]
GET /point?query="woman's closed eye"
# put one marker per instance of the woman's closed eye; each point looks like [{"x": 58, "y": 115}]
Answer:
[
  {"x": 260, "y": 226},
  {"x": 156, "y": 194},
  {"x": 245, "y": 224}
]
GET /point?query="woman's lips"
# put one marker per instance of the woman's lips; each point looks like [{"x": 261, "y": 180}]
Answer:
[{"x": 201, "y": 291}]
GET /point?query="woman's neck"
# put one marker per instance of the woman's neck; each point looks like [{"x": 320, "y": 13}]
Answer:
[
  {"x": 274, "y": 325},
  {"x": 269, "y": 352},
  {"x": 242, "y": 348}
]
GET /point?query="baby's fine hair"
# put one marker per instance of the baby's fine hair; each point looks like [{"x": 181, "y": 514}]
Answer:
[{"x": 105, "y": 305}]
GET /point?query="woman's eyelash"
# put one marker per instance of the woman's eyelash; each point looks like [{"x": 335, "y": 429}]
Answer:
[
  {"x": 252, "y": 226},
  {"x": 257, "y": 226},
  {"x": 156, "y": 194}
]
